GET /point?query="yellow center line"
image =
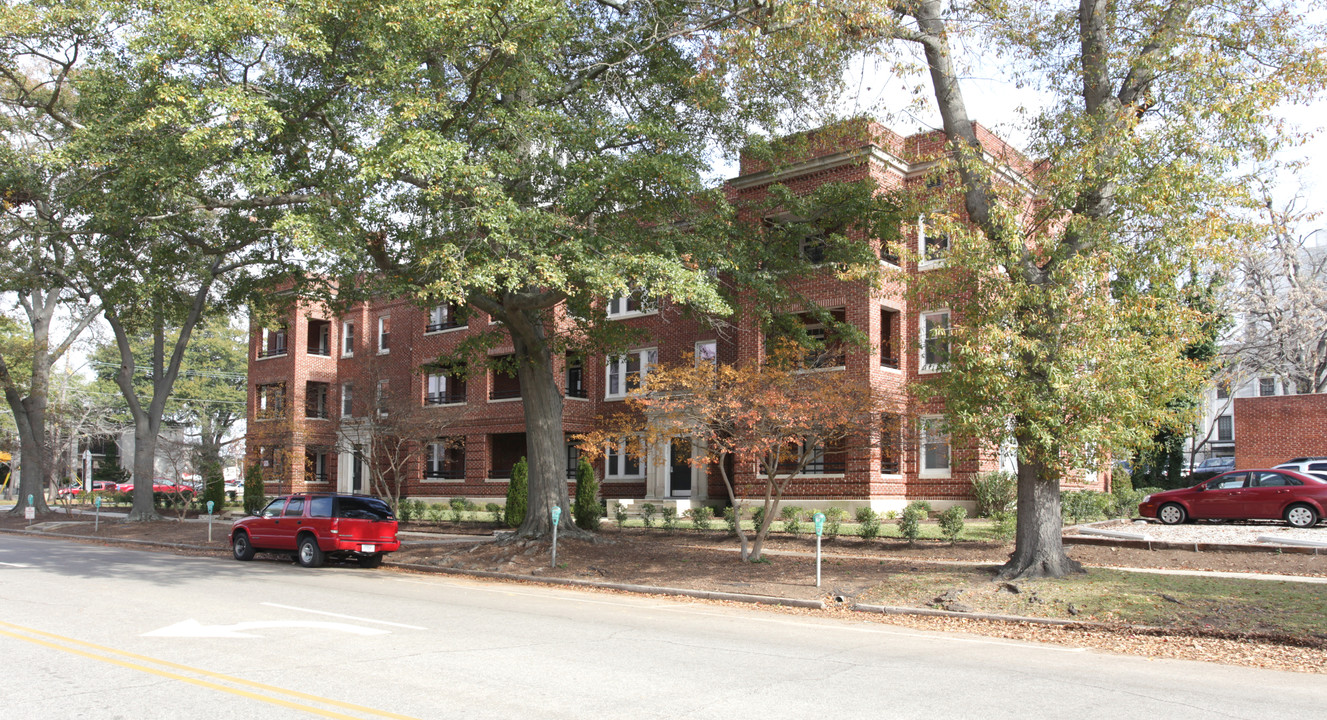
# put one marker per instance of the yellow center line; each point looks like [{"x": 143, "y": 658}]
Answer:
[{"x": 114, "y": 656}]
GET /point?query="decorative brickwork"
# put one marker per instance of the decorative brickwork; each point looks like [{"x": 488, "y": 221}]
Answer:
[{"x": 1272, "y": 430}]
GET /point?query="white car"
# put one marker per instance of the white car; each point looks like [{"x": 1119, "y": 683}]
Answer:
[{"x": 1316, "y": 466}]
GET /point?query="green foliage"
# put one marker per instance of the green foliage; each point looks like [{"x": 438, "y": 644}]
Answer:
[
  {"x": 647, "y": 511},
  {"x": 758, "y": 516},
  {"x": 951, "y": 522},
  {"x": 214, "y": 488},
  {"x": 910, "y": 521},
  {"x": 868, "y": 523},
  {"x": 254, "y": 499},
  {"x": 702, "y": 517},
  {"x": 792, "y": 518},
  {"x": 1006, "y": 523},
  {"x": 620, "y": 515},
  {"x": 496, "y": 511},
  {"x": 518, "y": 494},
  {"x": 669, "y": 514},
  {"x": 834, "y": 521},
  {"x": 730, "y": 519},
  {"x": 1079, "y": 506},
  {"x": 587, "y": 507},
  {"x": 436, "y": 513},
  {"x": 994, "y": 492}
]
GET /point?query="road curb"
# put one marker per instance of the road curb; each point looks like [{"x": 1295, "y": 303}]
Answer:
[
  {"x": 1193, "y": 546},
  {"x": 111, "y": 541},
  {"x": 623, "y": 587},
  {"x": 931, "y": 612}
]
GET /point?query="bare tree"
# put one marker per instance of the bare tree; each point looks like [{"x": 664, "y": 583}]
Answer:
[{"x": 1279, "y": 299}]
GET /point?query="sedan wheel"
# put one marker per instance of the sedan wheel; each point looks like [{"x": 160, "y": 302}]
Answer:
[
  {"x": 1171, "y": 514},
  {"x": 1301, "y": 516},
  {"x": 309, "y": 555}
]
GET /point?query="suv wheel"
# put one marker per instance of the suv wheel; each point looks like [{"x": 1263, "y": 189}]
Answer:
[
  {"x": 308, "y": 554},
  {"x": 241, "y": 547}
]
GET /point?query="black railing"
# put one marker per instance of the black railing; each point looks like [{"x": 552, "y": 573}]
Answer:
[
  {"x": 272, "y": 352},
  {"x": 889, "y": 466},
  {"x": 320, "y": 350},
  {"x": 577, "y": 392},
  {"x": 315, "y": 477},
  {"x": 447, "y": 398},
  {"x": 502, "y": 393},
  {"x": 445, "y": 325},
  {"x": 445, "y": 473},
  {"x": 827, "y": 359},
  {"x": 316, "y": 413}
]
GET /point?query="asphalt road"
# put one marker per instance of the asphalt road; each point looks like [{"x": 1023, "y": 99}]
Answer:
[{"x": 103, "y": 633}]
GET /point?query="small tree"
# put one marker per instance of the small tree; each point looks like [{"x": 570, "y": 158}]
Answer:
[
  {"x": 517, "y": 491},
  {"x": 951, "y": 523},
  {"x": 766, "y": 416},
  {"x": 214, "y": 486},
  {"x": 253, "y": 490},
  {"x": 587, "y": 507}
]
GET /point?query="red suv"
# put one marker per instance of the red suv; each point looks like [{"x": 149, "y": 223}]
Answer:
[{"x": 315, "y": 526}]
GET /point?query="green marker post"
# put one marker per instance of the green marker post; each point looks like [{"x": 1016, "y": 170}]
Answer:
[
  {"x": 820, "y": 530},
  {"x": 557, "y": 514}
]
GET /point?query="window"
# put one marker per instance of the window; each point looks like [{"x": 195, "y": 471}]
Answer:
[
  {"x": 445, "y": 387},
  {"x": 320, "y": 337},
  {"x": 824, "y": 458},
  {"x": 380, "y": 401},
  {"x": 1266, "y": 387},
  {"x": 315, "y": 400},
  {"x": 507, "y": 449},
  {"x": 932, "y": 246},
  {"x": 1222, "y": 390},
  {"x": 272, "y": 457},
  {"x": 347, "y": 339},
  {"x": 825, "y": 352},
  {"x": 707, "y": 351},
  {"x": 315, "y": 466},
  {"x": 935, "y": 341},
  {"x": 1225, "y": 429},
  {"x": 618, "y": 463},
  {"x": 576, "y": 377},
  {"x": 273, "y": 342},
  {"x": 444, "y": 317},
  {"x": 505, "y": 384},
  {"x": 888, "y": 253},
  {"x": 891, "y": 429},
  {"x": 446, "y": 460},
  {"x": 271, "y": 401},
  {"x": 934, "y": 447},
  {"x": 1303, "y": 386},
  {"x": 637, "y": 302},
  {"x": 347, "y": 400},
  {"x": 573, "y": 460},
  {"x": 626, "y": 372},
  {"x": 889, "y": 338},
  {"x": 813, "y": 247},
  {"x": 384, "y": 334},
  {"x": 294, "y": 507}
]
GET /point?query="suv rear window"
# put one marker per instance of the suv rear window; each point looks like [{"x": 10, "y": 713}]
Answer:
[
  {"x": 363, "y": 508},
  {"x": 320, "y": 506}
]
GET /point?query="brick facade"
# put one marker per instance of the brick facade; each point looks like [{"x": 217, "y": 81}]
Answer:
[
  {"x": 855, "y": 151},
  {"x": 1272, "y": 430}
]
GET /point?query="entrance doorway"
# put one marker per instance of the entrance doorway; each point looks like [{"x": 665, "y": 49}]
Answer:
[{"x": 679, "y": 468}]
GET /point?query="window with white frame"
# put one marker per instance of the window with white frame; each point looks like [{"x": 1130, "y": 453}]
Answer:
[
  {"x": 932, "y": 244},
  {"x": 1266, "y": 386},
  {"x": 273, "y": 342},
  {"x": 384, "y": 334},
  {"x": 934, "y": 446},
  {"x": 347, "y": 339},
  {"x": 444, "y": 388},
  {"x": 637, "y": 302},
  {"x": 934, "y": 331},
  {"x": 446, "y": 460},
  {"x": 707, "y": 351},
  {"x": 626, "y": 372},
  {"x": 618, "y": 463},
  {"x": 444, "y": 317},
  {"x": 347, "y": 399}
]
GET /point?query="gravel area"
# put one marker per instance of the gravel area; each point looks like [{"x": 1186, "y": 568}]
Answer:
[{"x": 1242, "y": 533}]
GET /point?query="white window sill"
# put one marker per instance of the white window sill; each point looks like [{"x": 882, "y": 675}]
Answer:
[
  {"x": 930, "y": 265},
  {"x": 272, "y": 357},
  {"x": 614, "y": 398},
  {"x": 930, "y": 369},
  {"x": 808, "y": 371},
  {"x": 347, "y": 355},
  {"x": 890, "y": 476},
  {"x": 577, "y": 399},
  {"x": 629, "y": 315},
  {"x": 441, "y": 481},
  {"x": 887, "y": 368},
  {"x": 935, "y": 474},
  {"x": 455, "y": 404},
  {"x": 384, "y": 352},
  {"x": 444, "y": 331},
  {"x": 624, "y": 478},
  {"x": 505, "y": 400},
  {"x": 887, "y": 265}
]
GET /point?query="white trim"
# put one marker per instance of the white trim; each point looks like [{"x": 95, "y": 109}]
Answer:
[
  {"x": 922, "y": 367},
  {"x": 924, "y": 263},
  {"x": 621, "y": 452},
  {"x": 648, "y": 358},
  {"x": 922, "y": 470},
  {"x": 384, "y": 350},
  {"x": 344, "y": 352},
  {"x": 499, "y": 400}
]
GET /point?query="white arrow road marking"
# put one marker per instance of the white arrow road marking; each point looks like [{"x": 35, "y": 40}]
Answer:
[
  {"x": 193, "y": 628},
  {"x": 345, "y": 617},
  {"x": 17, "y": 565}
]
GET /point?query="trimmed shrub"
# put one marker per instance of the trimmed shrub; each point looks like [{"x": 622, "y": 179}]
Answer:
[
  {"x": 587, "y": 508},
  {"x": 701, "y": 517},
  {"x": 994, "y": 492},
  {"x": 1079, "y": 506},
  {"x": 792, "y": 519},
  {"x": 834, "y": 521},
  {"x": 951, "y": 523},
  {"x": 730, "y": 519},
  {"x": 669, "y": 513},
  {"x": 910, "y": 521},
  {"x": 647, "y": 514},
  {"x": 496, "y": 511},
  {"x": 436, "y": 512},
  {"x": 456, "y": 506},
  {"x": 1006, "y": 523},
  {"x": 518, "y": 494},
  {"x": 758, "y": 516},
  {"x": 253, "y": 490},
  {"x": 868, "y": 523},
  {"x": 620, "y": 515}
]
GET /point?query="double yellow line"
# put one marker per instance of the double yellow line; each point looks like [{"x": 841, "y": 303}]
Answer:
[{"x": 266, "y": 693}]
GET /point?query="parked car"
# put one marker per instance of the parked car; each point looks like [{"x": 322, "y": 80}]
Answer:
[
  {"x": 318, "y": 526},
  {"x": 97, "y": 486},
  {"x": 1310, "y": 465},
  {"x": 164, "y": 486},
  {"x": 1295, "y": 497},
  {"x": 1211, "y": 467}
]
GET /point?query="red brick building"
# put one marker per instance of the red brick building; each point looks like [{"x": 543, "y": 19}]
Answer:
[
  {"x": 316, "y": 379},
  {"x": 1272, "y": 430}
]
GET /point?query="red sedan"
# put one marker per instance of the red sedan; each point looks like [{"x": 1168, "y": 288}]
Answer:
[
  {"x": 1297, "y": 498},
  {"x": 164, "y": 486}
]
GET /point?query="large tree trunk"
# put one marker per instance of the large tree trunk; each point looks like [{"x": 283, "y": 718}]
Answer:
[
  {"x": 1038, "y": 544},
  {"x": 545, "y": 444},
  {"x": 145, "y": 471}
]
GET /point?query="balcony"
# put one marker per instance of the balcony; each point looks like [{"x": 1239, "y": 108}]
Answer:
[
  {"x": 268, "y": 352},
  {"x": 444, "y": 325},
  {"x": 448, "y": 398}
]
